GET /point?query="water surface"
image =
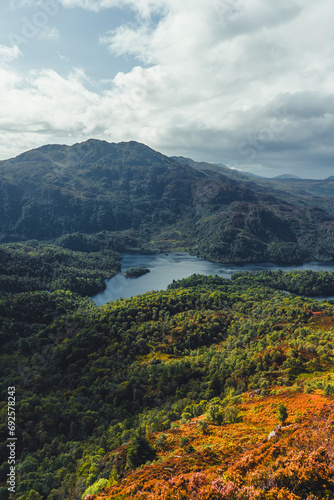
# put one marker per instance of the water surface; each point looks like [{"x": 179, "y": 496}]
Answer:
[{"x": 178, "y": 265}]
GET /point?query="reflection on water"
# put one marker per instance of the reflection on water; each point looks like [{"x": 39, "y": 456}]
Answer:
[{"x": 175, "y": 266}]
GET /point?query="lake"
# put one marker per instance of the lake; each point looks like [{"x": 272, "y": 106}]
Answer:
[{"x": 177, "y": 265}]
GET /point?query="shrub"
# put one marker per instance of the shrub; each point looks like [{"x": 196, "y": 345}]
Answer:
[
  {"x": 140, "y": 451},
  {"x": 185, "y": 418},
  {"x": 282, "y": 413},
  {"x": 231, "y": 414},
  {"x": 329, "y": 389},
  {"x": 161, "y": 441},
  {"x": 95, "y": 488},
  {"x": 184, "y": 441},
  {"x": 216, "y": 414},
  {"x": 33, "y": 495},
  {"x": 203, "y": 425}
]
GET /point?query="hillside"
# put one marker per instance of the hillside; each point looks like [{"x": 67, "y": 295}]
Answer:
[
  {"x": 236, "y": 460},
  {"x": 288, "y": 187},
  {"x": 99, "y": 195},
  {"x": 187, "y": 381}
]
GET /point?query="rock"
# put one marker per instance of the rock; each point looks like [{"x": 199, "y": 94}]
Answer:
[{"x": 272, "y": 435}]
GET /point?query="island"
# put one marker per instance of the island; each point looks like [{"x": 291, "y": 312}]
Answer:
[{"x": 135, "y": 272}]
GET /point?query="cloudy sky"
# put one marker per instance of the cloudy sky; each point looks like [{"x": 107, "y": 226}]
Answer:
[{"x": 248, "y": 83}]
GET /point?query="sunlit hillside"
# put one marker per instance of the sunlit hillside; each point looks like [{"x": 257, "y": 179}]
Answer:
[
  {"x": 246, "y": 459},
  {"x": 173, "y": 394}
]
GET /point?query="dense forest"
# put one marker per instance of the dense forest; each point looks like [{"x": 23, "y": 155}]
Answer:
[
  {"x": 111, "y": 399},
  {"x": 36, "y": 266}
]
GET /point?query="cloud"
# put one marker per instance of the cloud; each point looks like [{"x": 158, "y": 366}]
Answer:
[
  {"x": 9, "y": 53},
  {"x": 243, "y": 82},
  {"x": 216, "y": 73},
  {"x": 63, "y": 59},
  {"x": 143, "y": 7},
  {"x": 48, "y": 33}
]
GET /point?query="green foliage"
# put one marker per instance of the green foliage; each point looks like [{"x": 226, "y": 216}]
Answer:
[
  {"x": 136, "y": 272},
  {"x": 215, "y": 414},
  {"x": 218, "y": 414},
  {"x": 37, "y": 266},
  {"x": 184, "y": 442},
  {"x": 299, "y": 282},
  {"x": 329, "y": 389},
  {"x": 140, "y": 451},
  {"x": 33, "y": 495},
  {"x": 231, "y": 414},
  {"x": 282, "y": 413},
  {"x": 203, "y": 425},
  {"x": 4, "y": 494},
  {"x": 96, "y": 488},
  {"x": 89, "y": 379},
  {"x": 161, "y": 441}
]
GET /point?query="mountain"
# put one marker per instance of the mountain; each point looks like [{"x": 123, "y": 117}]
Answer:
[
  {"x": 219, "y": 168},
  {"x": 128, "y": 195},
  {"x": 286, "y": 176}
]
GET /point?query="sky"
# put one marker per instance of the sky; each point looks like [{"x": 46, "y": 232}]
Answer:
[{"x": 246, "y": 83}]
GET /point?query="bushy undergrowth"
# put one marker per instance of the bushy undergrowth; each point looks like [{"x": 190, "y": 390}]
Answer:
[{"x": 95, "y": 383}]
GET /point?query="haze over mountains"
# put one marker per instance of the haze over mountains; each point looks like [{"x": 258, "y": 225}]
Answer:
[{"x": 132, "y": 196}]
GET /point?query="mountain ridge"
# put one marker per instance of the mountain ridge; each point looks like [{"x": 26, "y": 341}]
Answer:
[{"x": 99, "y": 187}]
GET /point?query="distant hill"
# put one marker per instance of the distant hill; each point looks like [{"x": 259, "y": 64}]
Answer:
[
  {"x": 133, "y": 196},
  {"x": 304, "y": 192},
  {"x": 286, "y": 176},
  {"x": 214, "y": 167}
]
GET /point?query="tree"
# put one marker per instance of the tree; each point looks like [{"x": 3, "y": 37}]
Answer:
[
  {"x": 33, "y": 495},
  {"x": 282, "y": 413},
  {"x": 140, "y": 451}
]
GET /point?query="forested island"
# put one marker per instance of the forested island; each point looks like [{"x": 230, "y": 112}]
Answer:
[{"x": 135, "y": 272}]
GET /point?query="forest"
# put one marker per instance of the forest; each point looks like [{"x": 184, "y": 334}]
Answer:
[
  {"x": 34, "y": 266},
  {"x": 166, "y": 395}
]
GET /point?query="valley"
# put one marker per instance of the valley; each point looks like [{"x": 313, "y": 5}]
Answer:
[{"x": 215, "y": 380}]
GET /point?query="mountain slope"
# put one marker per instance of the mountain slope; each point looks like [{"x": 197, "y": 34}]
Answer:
[
  {"x": 94, "y": 384},
  {"x": 127, "y": 188},
  {"x": 236, "y": 461}
]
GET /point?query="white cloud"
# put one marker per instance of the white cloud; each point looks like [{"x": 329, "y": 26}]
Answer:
[
  {"x": 48, "y": 33},
  {"x": 239, "y": 81},
  {"x": 64, "y": 59},
  {"x": 9, "y": 53}
]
